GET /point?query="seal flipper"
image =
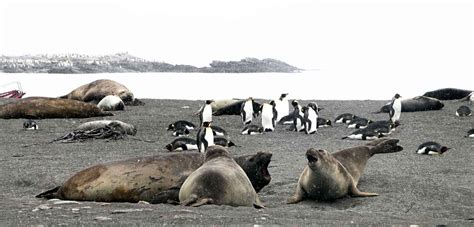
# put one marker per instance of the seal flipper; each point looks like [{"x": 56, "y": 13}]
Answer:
[
  {"x": 194, "y": 201},
  {"x": 354, "y": 191},
  {"x": 170, "y": 196},
  {"x": 298, "y": 196},
  {"x": 50, "y": 194},
  {"x": 258, "y": 204}
]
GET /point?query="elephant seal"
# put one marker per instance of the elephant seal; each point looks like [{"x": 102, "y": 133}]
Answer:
[
  {"x": 155, "y": 179},
  {"x": 332, "y": 176},
  {"x": 111, "y": 103},
  {"x": 220, "y": 180},
  {"x": 233, "y": 107},
  {"x": 448, "y": 93},
  {"x": 97, "y": 90},
  {"x": 419, "y": 103},
  {"x": 91, "y": 125},
  {"x": 42, "y": 108}
]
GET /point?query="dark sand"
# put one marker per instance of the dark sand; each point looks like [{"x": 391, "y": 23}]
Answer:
[{"x": 414, "y": 189}]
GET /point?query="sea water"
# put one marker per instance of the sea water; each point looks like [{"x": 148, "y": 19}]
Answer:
[{"x": 306, "y": 85}]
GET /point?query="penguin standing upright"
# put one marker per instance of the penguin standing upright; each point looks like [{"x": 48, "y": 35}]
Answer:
[
  {"x": 311, "y": 118},
  {"x": 247, "y": 111},
  {"x": 206, "y": 113},
  {"x": 297, "y": 116},
  {"x": 205, "y": 137},
  {"x": 282, "y": 106},
  {"x": 269, "y": 116},
  {"x": 395, "y": 108}
]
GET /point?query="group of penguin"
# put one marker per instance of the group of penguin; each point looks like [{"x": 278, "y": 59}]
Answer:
[{"x": 302, "y": 119}]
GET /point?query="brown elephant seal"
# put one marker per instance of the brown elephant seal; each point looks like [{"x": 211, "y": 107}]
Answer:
[
  {"x": 220, "y": 180},
  {"x": 95, "y": 91},
  {"x": 332, "y": 176},
  {"x": 155, "y": 179},
  {"x": 42, "y": 108}
]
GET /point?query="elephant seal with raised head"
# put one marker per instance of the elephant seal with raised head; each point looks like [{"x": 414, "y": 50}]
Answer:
[{"x": 331, "y": 176}]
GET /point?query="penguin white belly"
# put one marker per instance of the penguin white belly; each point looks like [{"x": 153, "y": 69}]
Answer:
[
  {"x": 191, "y": 146},
  {"x": 207, "y": 114},
  {"x": 421, "y": 150},
  {"x": 282, "y": 108},
  {"x": 313, "y": 117},
  {"x": 471, "y": 135},
  {"x": 355, "y": 136},
  {"x": 248, "y": 108},
  {"x": 299, "y": 125},
  {"x": 397, "y": 107},
  {"x": 267, "y": 116},
  {"x": 209, "y": 137}
]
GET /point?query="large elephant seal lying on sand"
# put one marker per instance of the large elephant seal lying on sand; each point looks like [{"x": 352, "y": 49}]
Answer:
[
  {"x": 220, "y": 180},
  {"x": 331, "y": 176},
  {"x": 419, "y": 103},
  {"x": 155, "y": 179},
  {"x": 448, "y": 93},
  {"x": 95, "y": 91},
  {"x": 42, "y": 108}
]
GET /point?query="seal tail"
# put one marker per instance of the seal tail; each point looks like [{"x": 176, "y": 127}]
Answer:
[
  {"x": 50, "y": 194},
  {"x": 384, "y": 146}
]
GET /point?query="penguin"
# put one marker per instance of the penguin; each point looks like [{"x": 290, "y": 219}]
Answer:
[
  {"x": 344, "y": 118},
  {"x": 298, "y": 116},
  {"x": 431, "y": 148},
  {"x": 269, "y": 116},
  {"x": 252, "y": 130},
  {"x": 359, "y": 122},
  {"x": 30, "y": 125},
  {"x": 181, "y": 125},
  {"x": 223, "y": 141},
  {"x": 247, "y": 111},
  {"x": 470, "y": 133},
  {"x": 218, "y": 131},
  {"x": 206, "y": 113},
  {"x": 463, "y": 111},
  {"x": 282, "y": 106},
  {"x": 364, "y": 134},
  {"x": 322, "y": 122},
  {"x": 383, "y": 127},
  {"x": 311, "y": 118},
  {"x": 395, "y": 108},
  {"x": 181, "y": 132},
  {"x": 205, "y": 137},
  {"x": 182, "y": 143}
]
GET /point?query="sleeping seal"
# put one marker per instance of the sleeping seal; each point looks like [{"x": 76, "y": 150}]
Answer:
[
  {"x": 331, "y": 176},
  {"x": 97, "y": 90},
  {"x": 42, "y": 108},
  {"x": 419, "y": 103},
  {"x": 448, "y": 93},
  {"x": 220, "y": 180},
  {"x": 91, "y": 125},
  {"x": 155, "y": 179}
]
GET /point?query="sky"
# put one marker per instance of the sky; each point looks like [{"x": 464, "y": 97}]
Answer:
[{"x": 378, "y": 39}]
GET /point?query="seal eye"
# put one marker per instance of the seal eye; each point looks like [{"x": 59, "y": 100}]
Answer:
[{"x": 321, "y": 150}]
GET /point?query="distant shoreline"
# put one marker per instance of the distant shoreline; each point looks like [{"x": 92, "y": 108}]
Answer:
[{"x": 126, "y": 63}]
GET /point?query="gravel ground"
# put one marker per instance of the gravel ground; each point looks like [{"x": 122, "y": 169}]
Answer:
[{"x": 414, "y": 189}]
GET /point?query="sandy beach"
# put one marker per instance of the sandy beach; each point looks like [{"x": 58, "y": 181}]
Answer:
[{"x": 414, "y": 189}]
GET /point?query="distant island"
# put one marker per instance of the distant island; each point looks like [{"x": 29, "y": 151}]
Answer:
[{"x": 126, "y": 63}]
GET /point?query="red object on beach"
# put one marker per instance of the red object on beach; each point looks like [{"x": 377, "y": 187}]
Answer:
[
  {"x": 12, "y": 94},
  {"x": 15, "y": 93}
]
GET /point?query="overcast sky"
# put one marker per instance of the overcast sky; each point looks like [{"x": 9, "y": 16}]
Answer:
[{"x": 410, "y": 37}]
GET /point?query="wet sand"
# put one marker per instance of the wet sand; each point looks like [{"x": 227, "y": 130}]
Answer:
[{"x": 414, "y": 189}]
